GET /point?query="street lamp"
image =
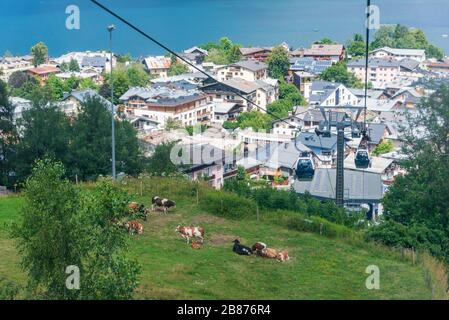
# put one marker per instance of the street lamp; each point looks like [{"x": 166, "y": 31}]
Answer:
[{"x": 110, "y": 29}]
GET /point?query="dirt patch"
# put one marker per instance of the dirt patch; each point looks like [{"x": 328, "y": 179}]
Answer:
[
  {"x": 206, "y": 218},
  {"x": 220, "y": 239},
  {"x": 160, "y": 220}
]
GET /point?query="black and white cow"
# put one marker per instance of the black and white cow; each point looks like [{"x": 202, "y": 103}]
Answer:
[
  {"x": 164, "y": 203},
  {"x": 241, "y": 249}
]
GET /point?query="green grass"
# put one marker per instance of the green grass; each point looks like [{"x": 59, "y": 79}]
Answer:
[{"x": 320, "y": 267}]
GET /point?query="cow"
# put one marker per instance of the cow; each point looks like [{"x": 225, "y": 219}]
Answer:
[
  {"x": 283, "y": 256},
  {"x": 241, "y": 249},
  {"x": 139, "y": 209},
  {"x": 134, "y": 227},
  {"x": 268, "y": 253},
  {"x": 191, "y": 232},
  {"x": 258, "y": 247},
  {"x": 195, "y": 245},
  {"x": 164, "y": 203}
]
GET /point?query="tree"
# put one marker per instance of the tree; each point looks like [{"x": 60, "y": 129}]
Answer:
[
  {"x": 325, "y": 41},
  {"x": 399, "y": 36},
  {"x": 384, "y": 147},
  {"x": 137, "y": 77},
  {"x": 160, "y": 161},
  {"x": 172, "y": 124},
  {"x": 288, "y": 91},
  {"x": 357, "y": 46},
  {"x": 91, "y": 143},
  {"x": 234, "y": 54},
  {"x": 177, "y": 68},
  {"x": 88, "y": 83},
  {"x": 223, "y": 52},
  {"x": 39, "y": 53},
  {"x": 339, "y": 73},
  {"x": 417, "y": 202},
  {"x": 254, "y": 119},
  {"x": 278, "y": 63},
  {"x": 56, "y": 87},
  {"x": 64, "y": 67},
  {"x": 74, "y": 66},
  {"x": 280, "y": 108},
  {"x": 17, "y": 79},
  {"x": 434, "y": 52},
  {"x": 8, "y": 135},
  {"x": 45, "y": 131},
  {"x": 63, "y": 226}
]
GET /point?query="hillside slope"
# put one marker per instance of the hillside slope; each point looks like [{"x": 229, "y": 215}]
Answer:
[{"x": 320, "y": 268}]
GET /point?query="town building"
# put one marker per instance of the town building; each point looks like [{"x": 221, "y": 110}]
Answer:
[
  {"x": 256, "y": 53},
  {"x": 186, "y": 106},
  {"x": 9, "y": 65},
  {"x": 157, "y": 66},
  {"x": 381, "y": 72},
  {"x": 332, "y": 52},
  {"x": 399, "y": 54},
  {"x": 43, "y": 72},
  {"x": 325, "y": 93},
  {"x": 249, "y": 70}
]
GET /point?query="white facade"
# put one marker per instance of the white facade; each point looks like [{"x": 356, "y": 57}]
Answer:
[{"x": 399, "y": 54}]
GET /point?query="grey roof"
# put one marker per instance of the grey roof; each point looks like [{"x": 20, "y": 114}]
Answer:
[
  {"x": 311, "y": 140},
  {"x": 309, "y": 64},
  {"x": 242, "y": 85},
  {"x": 225, "y": 107},
  {"x": 163, "y": 94},
  {"x": 96, "y": 62},
  {"x": 360, "y": 93},
  {"x": 359, "y": 186},
  {"x": 83, "y": 95},
  {"x": 286, "y": 155},
  {"x": 252, "y": 65},
  {"x": 376, "y": 132},
  {"x": 315, "y": 115},
  {"x": 409, "y": 64},
  {"x": 374, "y": 63}
]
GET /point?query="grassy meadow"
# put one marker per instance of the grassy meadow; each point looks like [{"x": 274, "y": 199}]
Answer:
[{"x": 320, "y": 267}]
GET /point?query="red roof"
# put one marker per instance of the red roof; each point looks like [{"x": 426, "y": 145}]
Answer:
[{"x": 44, "y": 70}]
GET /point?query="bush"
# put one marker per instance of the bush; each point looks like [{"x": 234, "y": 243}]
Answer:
[{"x": 227, "y": 204}]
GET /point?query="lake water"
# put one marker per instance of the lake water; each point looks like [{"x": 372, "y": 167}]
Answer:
[{"x": 183, "y": 23}]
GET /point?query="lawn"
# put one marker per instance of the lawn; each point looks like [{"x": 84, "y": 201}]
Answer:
[{"x": 320, "y": 268}]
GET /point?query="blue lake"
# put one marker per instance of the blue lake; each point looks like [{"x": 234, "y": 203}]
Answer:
[{"x": 183, "y": 23}]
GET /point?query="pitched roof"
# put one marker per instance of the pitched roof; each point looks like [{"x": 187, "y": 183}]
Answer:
[
  {"x": 402, "y": 52},
  {"x": 324, "y": 50},
  {"x": 242, "y": 85},
  {"x": 359, "y": 186},
  {"x": 374, "y": 63},
  {"x": 44, "y": 70},
  {"x": 96, "y": 62},
  {"x": 311, "y": 140},
  {"x": 251, "y": 65},
  {"x": 252, "y": 50},
  {"x": 409, "y": 64},
  {"x": 158, "y": 62}
]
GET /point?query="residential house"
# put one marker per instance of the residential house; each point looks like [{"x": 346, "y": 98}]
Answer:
[
  {"x": 438, "y": 66},
  {"x": 399, "y": 54},
  {"x": 290, "y": 125},
  {"x": 98, "y": 60},
  {"x": 381, "y": 72},
  {"x": 43, "y": 72},
  {"x": 256, "y": 53},
  {"x": 161, "y": 103},
  {"x": 20, "y": 106},
  {"x": 325, "y": 93},
  {"x": 332, "y": 52},
  {"x": 9, "y": 65},
  {"x": 143, "y": 124},
  {"x": 157, "y": 66},
  {"x": 226, "y": 111},
  {"x": 259, "y": 93},
  {"x": 249, "y": 70},
  {"x": 194, "y": 55},
  {"x": 71, "y": 102}
]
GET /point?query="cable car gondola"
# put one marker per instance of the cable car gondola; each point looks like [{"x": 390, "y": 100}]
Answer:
[
  {"x": 305, "y": 169},
  {"x": 362, "y": 159}
]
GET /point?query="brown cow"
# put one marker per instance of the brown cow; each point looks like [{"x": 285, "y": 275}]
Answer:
[
  {"x": 283, "y": 256},
  {"x": 134, "y": 227},
  {"x": 191, "y": 232}
]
